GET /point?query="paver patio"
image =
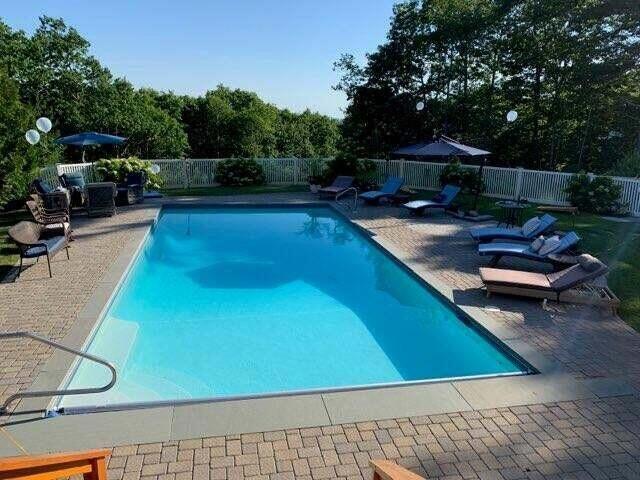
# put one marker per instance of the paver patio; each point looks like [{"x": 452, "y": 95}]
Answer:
[{"x": 595, "y": 438}]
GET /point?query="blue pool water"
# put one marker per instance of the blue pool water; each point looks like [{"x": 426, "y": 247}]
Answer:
[{"x": 238, "y": 301}]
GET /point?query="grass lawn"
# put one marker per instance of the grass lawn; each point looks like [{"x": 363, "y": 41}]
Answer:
[
  {"x": 616, "y": 243},
  {"x": 8, "y": 251}
]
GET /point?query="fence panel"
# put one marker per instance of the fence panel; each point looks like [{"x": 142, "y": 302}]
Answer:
[
  {"x": 173, "y": 173},
  {"x": 500, "y": 182},
  {"x": 630, "y": 194},
  {"x": 201, "y": 172},
  {"x": 545, "y": 187}
]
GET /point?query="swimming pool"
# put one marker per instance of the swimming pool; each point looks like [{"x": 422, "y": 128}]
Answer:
[{"x": 247, "y": 301}]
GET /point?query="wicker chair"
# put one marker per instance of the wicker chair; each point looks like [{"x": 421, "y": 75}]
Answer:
[
  {"x": 53, "y": 224},
  {"x": 53, "y": 199},
  {"x": 101, "y": 199},
  {"x": 75, "y": 184},
  {"x": 28, "y": 237},
  {"x": 132, "y": 190}
]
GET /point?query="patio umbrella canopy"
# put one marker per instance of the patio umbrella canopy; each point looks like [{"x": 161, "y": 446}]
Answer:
[
  {"x": 442, "y": 148},
  {"x": 89, "y": 138}
]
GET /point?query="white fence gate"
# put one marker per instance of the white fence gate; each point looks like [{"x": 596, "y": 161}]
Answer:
[{"x": 535, "y": 185}]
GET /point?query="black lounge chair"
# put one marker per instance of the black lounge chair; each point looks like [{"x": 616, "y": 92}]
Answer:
[
  {"x": 28, "y": 237},
  {"x": 442, "y": 200},
  {"x": 487, "y": 234},
  {"x": 339, "y": 185},
  {"x": 390, "y": 188},
  {"x": 522, "y": 250}
]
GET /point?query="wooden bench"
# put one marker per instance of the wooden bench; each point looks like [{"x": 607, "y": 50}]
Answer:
[
  {"x": 387, "y": 470},
  {"x": 559, "y": 209},
  {"x": 92, "y": 465}
]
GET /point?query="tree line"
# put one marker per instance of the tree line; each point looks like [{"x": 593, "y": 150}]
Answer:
[
  {"x": 51, "y": 73},
  {"x": 569, "y": 68}
]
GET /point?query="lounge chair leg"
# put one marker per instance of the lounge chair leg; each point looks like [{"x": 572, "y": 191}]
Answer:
[
  {"x": 19, "y": 269},
  {"x": 67, "y": 249},
  {"x": 49, "y": 265}
]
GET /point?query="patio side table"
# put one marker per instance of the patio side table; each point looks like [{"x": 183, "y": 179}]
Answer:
[{"x": 511, "y": 212}]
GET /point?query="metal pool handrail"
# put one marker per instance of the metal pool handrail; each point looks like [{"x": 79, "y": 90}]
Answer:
[
  {"x": 53, "y": 393},
  {"x": 355, "y": 198}
]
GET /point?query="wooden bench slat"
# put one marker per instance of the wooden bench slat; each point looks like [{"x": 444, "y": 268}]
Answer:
[
  {"x": 91, "y": 464},
  {"x": 387, "y": 470},
  {"x": 28, "y": 461}
]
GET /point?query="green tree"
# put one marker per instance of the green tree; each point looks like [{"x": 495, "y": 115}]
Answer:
[{"x": 567, "y": 66}]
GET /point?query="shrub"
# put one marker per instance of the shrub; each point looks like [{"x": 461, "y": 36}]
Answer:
[
  {"x": 599, "y": 195},
  {"x": 347, "y": 163},
  {"x": 116, "y": 169},
  {"x": 240, "y": 172},
  {"x": 454, "y": 174},
  {"x": 628, "y": 165}
]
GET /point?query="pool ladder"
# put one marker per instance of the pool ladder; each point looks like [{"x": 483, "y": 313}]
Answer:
[
  {"x": 354, "y": 208},
  {"x": 54, "y": 393}
]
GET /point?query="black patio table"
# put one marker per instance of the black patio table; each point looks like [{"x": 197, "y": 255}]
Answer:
[{"x": 511, "y": 212}]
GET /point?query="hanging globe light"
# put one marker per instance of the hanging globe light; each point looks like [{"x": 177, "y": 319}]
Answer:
[
  {"x": 32, "y": 136},
  {"x": 44, "y": 124},
  {"x": 512, "y": 116},
  {"x": 155, "y": 169},
  {"x": 420, "y": 106}
]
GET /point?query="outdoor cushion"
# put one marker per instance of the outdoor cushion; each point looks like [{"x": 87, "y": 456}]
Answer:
[
  {"x": 550, "y": 244},
  {"x": 439, "y": 198},
  {"x": 73, "y": 180},
  {"x": 537, "y": 244},
  {"x": 371, "y": 195},
  {"x": 530, "y": 226},
  {"x": 589, "y": 263},
  {"x": 514, "y": 277},
  {"x": 36, "y": 251}
]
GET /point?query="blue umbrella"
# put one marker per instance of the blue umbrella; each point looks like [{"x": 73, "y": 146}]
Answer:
[{"x": 89, "y": 138}]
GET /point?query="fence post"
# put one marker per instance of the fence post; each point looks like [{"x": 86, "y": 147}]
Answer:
[
  {"x": 185, "y": 173},
  {"x": 520, "y": 173},
  {"x": 296, "y": 171},
  {"x": 402, "y": 168}
]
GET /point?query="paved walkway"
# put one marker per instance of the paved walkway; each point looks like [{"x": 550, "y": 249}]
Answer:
[{"x": 585, "y": 439}]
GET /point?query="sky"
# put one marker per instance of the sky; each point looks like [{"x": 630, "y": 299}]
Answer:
[{"x": 281, "y": 49}]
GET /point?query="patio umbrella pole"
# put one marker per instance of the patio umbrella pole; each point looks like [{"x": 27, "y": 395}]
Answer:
[{"x": 478, "y": 185}]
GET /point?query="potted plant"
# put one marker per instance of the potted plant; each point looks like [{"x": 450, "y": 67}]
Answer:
[{"x": 315, "y": 183}]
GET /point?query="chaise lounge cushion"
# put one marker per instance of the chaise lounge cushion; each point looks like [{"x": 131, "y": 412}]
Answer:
[
  {"x": 536, "y": 245},
  {"x": 514, "y": 278},
  {"x": 530, "y": 226},
  {"x": 550, "y": 244}
]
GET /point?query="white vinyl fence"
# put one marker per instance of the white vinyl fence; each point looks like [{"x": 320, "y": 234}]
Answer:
[{"x": 534, "y": 185}]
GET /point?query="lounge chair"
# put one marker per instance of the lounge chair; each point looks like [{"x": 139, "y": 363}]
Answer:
[
  {"x": 101, "y": 199},
  {"x": 339, "y": 185},
  {"x": 28, "y": 237},
  {"x": 388, "y": 190},
  {"x": 522, "y": 250},
  {"x": 543, "y": 285},
  {"x": 487, "y": 234},
  {"x": 53, "y": 224},
  {"x": 442, "y": 200}
]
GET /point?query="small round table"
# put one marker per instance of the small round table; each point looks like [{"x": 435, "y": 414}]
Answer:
[{"x": 511, "y": 212}]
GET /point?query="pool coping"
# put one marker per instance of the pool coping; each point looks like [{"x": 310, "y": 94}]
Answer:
[{"x": 223, "y": 417}]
